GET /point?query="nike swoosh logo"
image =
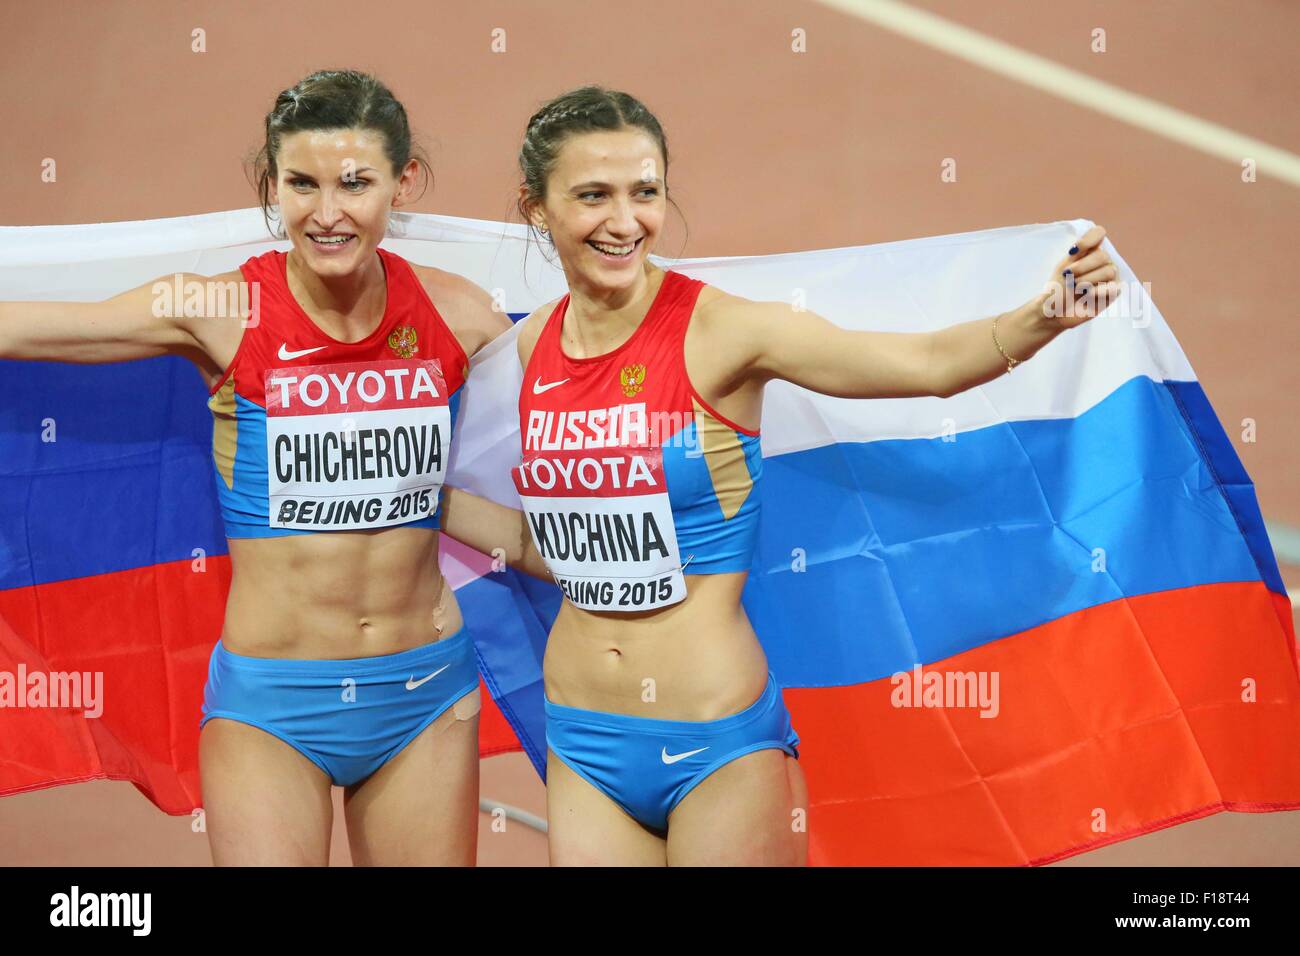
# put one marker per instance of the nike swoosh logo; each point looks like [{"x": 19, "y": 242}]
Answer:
[
  {"x": 412, "y": 683},
  {"x": 538, "y": 387},
  {"x": 673, "y": 758},
  {"x": 286, "y": 355}
]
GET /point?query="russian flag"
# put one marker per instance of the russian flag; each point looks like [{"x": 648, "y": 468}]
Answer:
[{"x": 1022, "y": 622}]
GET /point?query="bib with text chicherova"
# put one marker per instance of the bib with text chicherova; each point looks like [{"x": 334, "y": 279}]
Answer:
[{"x": 356, "y": 444}]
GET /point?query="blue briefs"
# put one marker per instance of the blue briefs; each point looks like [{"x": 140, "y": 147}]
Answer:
[
  {"x": 647, "y": 766},
  {"x": 349, "y": 717}
]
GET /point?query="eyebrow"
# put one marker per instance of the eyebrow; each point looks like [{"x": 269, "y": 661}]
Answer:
[
  {"x": 294, "y": 172},
  {"x": 642, "y": 183}
]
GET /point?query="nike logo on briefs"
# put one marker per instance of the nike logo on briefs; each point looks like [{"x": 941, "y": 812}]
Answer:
[
  {"x": 538, "y": 387},
  {"x": 673, "y": 758},
  {"x": 286, "y": 355},
  {"x": 412, "y": 683}
]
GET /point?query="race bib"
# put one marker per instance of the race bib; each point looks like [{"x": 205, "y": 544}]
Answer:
[
  {"x": 355, "y": 445},
  {"x": 602, "y": 521}
]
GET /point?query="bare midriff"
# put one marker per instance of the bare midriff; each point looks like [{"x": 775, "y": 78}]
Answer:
[
  {"x": 696, "y": 660},
  {"x": 337, "y": 595}
]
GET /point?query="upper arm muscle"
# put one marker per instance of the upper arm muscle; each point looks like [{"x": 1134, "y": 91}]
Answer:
[
  {"x": 139, "y": 323},
  {"x": 808, "y": 350}
]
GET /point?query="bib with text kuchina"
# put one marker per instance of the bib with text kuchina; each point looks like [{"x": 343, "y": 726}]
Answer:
[
  {"x": 355, "y": 445},
  {"x": 602, "y": 521}
]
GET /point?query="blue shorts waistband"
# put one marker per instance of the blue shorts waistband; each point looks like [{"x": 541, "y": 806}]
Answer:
[
  {"x": 770, "y": 696},
  {"x": 450, "y": 646}
]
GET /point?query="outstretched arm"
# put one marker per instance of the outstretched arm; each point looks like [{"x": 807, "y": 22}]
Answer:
[
  {"x": 137, "y": 324},
  {"x": 487, "y": 526},
  {"x": 808, "y": 350}
]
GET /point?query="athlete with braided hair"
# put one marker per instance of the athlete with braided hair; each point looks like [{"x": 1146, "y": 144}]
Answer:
[{"x": 668, "y": 739}]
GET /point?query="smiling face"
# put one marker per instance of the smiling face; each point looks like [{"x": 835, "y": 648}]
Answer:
[
  {"x": 605, "y": 205},
  {"x": 335, "y": 189}
]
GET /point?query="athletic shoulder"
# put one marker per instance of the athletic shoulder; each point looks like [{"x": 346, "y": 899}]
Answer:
[
  {"x": 722, "y": 312},
  {"x": 224, "y": 278},
  {"x": 465, "y": 306},
  {"x": 211, "y": 312},
  {"x": 740, "y": 328},
  {"x": 530, "y": 330},
  {"x": 195, "y": 302}
]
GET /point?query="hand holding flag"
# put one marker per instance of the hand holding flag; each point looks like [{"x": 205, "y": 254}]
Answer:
[{"x": 1080, "y": 288}]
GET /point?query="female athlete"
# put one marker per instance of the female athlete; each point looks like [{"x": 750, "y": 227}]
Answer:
[
  {"x": 668, "y": 739},
  {"x": 343, "y": 659}
]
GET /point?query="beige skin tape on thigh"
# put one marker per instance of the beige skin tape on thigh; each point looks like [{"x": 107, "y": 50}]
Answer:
[
  {"x": 464, "y": 709},
  {"x": 467, "y": 706}
]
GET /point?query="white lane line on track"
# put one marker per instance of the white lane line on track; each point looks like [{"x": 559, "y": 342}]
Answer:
[
  {"x": 488, "y": 805},
  {"x": 1079, "y": 88}
]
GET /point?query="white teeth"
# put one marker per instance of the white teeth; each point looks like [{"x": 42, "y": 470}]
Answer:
[
  {"x": 614, "y": 250},
  {"x": 331, "y": 241}
]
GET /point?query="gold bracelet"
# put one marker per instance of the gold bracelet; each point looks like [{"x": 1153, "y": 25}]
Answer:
[{"x": 1011, "y": 363}]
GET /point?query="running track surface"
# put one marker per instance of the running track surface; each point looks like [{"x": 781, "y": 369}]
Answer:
[{"x": 772, "y": 151}]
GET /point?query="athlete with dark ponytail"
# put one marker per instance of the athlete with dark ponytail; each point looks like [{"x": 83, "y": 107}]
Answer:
[{"x": 343, "y": 657}]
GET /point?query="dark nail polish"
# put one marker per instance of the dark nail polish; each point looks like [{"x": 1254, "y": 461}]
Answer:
[
  {"x": 1073, "y": 250},
  {"x": 1068, "y": 273}
]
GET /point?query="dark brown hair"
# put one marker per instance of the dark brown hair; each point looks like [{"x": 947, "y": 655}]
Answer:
[
  {"x": 583, "y": 110},
  {"x": 334, "y": 99}
]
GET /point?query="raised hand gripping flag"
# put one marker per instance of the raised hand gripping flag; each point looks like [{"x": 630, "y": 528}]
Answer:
[{"x": 1022, "y": 622}]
